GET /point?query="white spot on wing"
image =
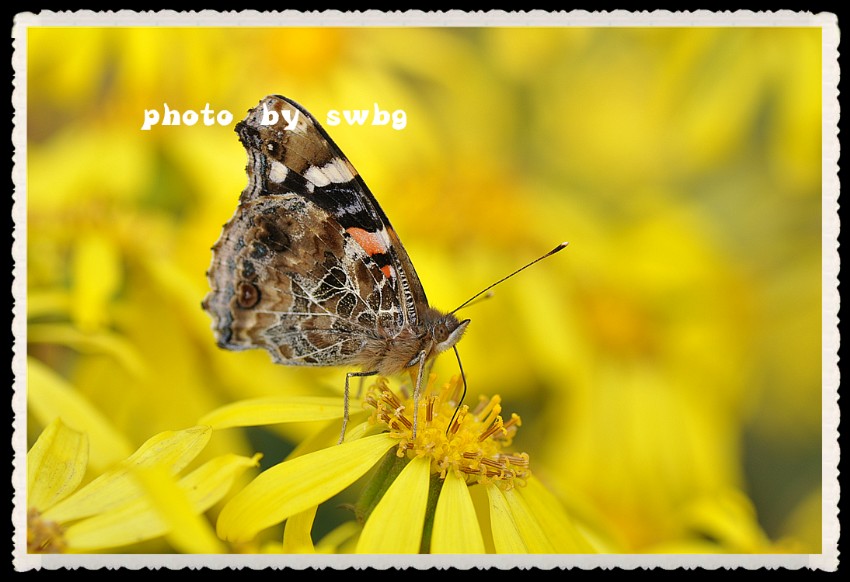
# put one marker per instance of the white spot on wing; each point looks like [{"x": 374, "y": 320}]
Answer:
[
  {"x": 336, "y": 171},
  {"x": 278, "y": 172},
  {"x": 317, "y": 176}
]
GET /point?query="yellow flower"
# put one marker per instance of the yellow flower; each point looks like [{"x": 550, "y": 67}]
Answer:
[
  {"x": 681, "y": 330},
  {"x": 724, "y": 522},
  {"x": 419, "y": 498},
  {"x": 138, "y": 499}
]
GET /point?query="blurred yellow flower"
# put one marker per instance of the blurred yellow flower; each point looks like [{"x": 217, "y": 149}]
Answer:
[
  {"x": 724, "y": 522},
  {"x": 137, "y": 500},
  {"x": 50, "y": 397}
]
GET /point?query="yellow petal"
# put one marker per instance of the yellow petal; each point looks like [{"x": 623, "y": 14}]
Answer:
[
  {"x": 395, "y": 525},
  {"x": 164, "y": 508},
  {"x": 171, "y": 449},
  {"x": 456, "y": 529},
  {"x": 329, "y": 436},
  {"x": 296, "y": 535},
  {"x": 529, "y": 528},
  {"x": 556, "y": 524},
  {"x": 506, "y": 535},
  {"x": 296, "y": 484},
  {"x": 209, "y": 483},
  {"x": 273, "y": 410},
  {"x": 56, "y": 464},
  {"x": 50, "y": 396},
  {"x": 188, "y": 531}
]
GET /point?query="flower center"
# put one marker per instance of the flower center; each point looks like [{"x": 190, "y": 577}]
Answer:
[
  {"x": 43, "y": 536},
  {"x": 470, "y": 442}
]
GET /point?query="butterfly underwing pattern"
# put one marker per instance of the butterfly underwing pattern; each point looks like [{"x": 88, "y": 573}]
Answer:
[{"x": 309, "y": 267}]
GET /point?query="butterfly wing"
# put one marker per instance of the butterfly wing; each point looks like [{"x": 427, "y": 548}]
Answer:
[{"x": 309, "y": 267}]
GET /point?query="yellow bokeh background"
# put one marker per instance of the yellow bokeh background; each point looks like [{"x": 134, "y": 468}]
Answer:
[{"x": 667, "y": 365}]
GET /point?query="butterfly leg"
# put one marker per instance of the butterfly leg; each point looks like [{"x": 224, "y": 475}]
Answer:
[
  {"x": 416, "y": 392},
  {"x": 345, "y": 400},
  {"x": 431, "y": 363}
]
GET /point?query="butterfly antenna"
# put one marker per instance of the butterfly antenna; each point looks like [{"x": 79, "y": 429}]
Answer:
[
  {"x": 470, "y": 303},
  {"x": 558, "y": 248},
  {"x": 462, "y": 396}
]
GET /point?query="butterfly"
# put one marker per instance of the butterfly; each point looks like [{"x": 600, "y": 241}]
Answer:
[{"x": 310, "y": 268}]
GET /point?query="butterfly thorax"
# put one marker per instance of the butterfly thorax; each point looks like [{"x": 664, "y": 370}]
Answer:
[{"x": 435, "y": 333}]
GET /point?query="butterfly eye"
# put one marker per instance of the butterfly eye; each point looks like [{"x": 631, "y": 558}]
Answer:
[
  {"x": 440, "y": 332},
  {"x": 247, "y": 295}
]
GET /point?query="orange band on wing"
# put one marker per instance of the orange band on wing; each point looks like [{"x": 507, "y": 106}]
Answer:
[{"x": 370, "y": 241}]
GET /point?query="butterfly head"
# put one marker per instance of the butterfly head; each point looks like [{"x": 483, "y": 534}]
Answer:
[{"x": 445, "y": 331}]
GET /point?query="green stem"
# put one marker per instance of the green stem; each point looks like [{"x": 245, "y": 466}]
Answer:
[
  {"x": 383, "y": 477},
  {"x": 434, "y": 487}
]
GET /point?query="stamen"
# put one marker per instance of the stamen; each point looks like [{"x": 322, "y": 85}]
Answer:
[
  {"x": 461, "y": 416},
  {"x": 390, "y": 399},
  {"x": 403, "y": 419},
  {"x": 497, "y": 426},
  {"x": 492, "y": 410},
  {"x": 482, "y": 402},
  {"x": 520, "y": 460},
  {"x": 515, "y": 420},
  {"x": 468, "y": 443},
  {"x": 492, "y": 463},
  {"x": 455, "y": 393},
  {"x": 444, "y": 392}
]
